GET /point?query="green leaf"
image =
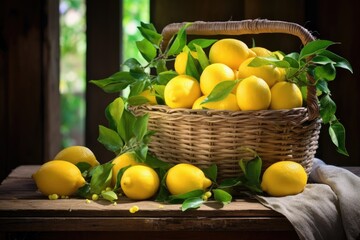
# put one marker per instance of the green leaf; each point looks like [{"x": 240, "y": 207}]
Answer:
[
  {"x": 140, "y": 126},
  {"x": 110, "y": 139},
  {"x": 230, "y": 182},
  {"x": 101, "y": 177},
  {"x": 192, "y": 203},
  {"x": 322, "y": 60},
  {"x": 192, "y": 68},
  {"x": 263, "y": 61},
  {"x": 84, "y": 191},
  {"x": 125, "y": 129},
  {"x": 322, "y": 85},
  {"x": 114, "y": 111},
  {"x": 149, "y": 32},
  {"x": 292, "y": 61},
  {"x": 253, "y": 170},
  {"x": 202, "y": 57},
  {"x": 136, "y": 88},
  {"x": 314, "y": 47},
  {"x": 154, "y": 162},
  {"x": 179, "y": 42},
  {"x": 141, "y": 152},
  {"x": 211, "y": 172},
  {"x": 119, "y": 176},
  {"x": 191, "y": 194},
  {"x": 339, "y": 61},
  {"x": 221, "y": 91},
  {"x": 109, "y": 195},
  {"x": 161, "y": 66},
  {"x": 134, "y": 65},
  {"x": 164, "y": 77},
  {"x": 115, "y": 83},
  {"x": 163, "y": 193},
  {"x": 222, "y": 196},
  {"x": 146, "y": 49},
  {"x": 326, "y": 72},
  {"x": 327, "y": 109},
  {"x": 83, "y": 166},
  {"x": 137, "y": 100},
  {"x": 202, "y": 43},
  {"x": 337, "y": 134}
]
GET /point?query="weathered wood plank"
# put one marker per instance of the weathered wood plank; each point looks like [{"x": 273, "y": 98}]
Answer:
[{"x": 144, "y": 224}]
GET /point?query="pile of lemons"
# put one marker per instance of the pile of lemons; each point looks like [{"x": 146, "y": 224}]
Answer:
[
  {"x": 259, "y": 88},
  {"x": 62, "y": 178}
]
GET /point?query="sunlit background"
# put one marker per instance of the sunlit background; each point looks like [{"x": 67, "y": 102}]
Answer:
[{"x": 72, "y": 60}]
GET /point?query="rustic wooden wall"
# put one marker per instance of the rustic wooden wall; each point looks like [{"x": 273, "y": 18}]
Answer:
[{"x": 29, "y": 79}]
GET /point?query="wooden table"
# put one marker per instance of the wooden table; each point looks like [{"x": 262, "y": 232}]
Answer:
[{"x": 25, "y": 212}]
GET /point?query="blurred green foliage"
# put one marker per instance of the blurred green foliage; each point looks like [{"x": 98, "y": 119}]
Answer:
[{"x": 72, "y": 64}]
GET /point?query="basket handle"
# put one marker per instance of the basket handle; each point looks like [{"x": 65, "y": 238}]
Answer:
[{"x": 249, "y": 26}]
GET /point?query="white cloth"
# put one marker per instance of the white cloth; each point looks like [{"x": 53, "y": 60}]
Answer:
[{"x": 328, "y": 208}]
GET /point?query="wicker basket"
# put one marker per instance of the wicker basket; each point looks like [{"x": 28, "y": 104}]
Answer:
[{"x": 205, "y": 137}]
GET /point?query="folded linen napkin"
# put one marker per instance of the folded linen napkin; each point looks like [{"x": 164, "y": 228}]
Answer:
[{"x": 328, "y": 208}]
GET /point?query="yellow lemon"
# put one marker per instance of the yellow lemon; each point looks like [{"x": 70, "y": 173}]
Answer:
[
  {"x": 76, "y": 154},
  {"x": 182, "y": 91},
  {"x": 214, "y": 74},
  {"x": 149, "y": 94},
  {"x": 121, "y": 161},
  {"x": 181, "y": 62},
  {"x": 228, "y": 103},
  {"x": 285, "y": 95},
  {"x": 284, "y": 178},
  {"x": 278, "y": 54},
  {"x": 261, "y": 52},
  {"x": 140, "y": 182},
  {"x": 183, "y": 178},
  {"x": 269, "y": 73},
  {"x": 231, "y": 52},
  {"x": 253, "y": 93},
  {"x": 58, "y": 177}
]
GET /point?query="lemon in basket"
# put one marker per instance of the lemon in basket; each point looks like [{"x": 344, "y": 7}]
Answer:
[
  {"x": 284, "y": 178},
  {"x": 140, "y": 182},
  {"x": 76, "y": 154},
  {"x": 181, "y": 61},
  {"x": 183, "y": 178},
  {"x": 231, "y": 52},
  {"x": 261, "y": 52},
  {"x": 253, "y": 93},
  {"x": 58, "y": 177},
  {"x": 182, "y": 91},
  {"x": 285, "y": 95},
  {"x": 228, "y": 103},
  {"x": 214, "y": 74},
  {"x": 269, "y": 73},
  {"x": 150, "y": 95}
]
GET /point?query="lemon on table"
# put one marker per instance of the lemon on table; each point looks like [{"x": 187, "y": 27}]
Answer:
[
  {"x": 58, "y": 177},
  {"x": 229, "y": 51},
  {"x": 269, "y": 73},
  {"x": 183, "y": 178},
  {"x": 181, "y": 92},
  {"x": 253, "y": 93},
  {"x": 285, "y": 95},
  {"x": 76, "y": 154},
  {"x": 124, "y": 160},
  {"x": 229, "y": 103},
  {"x": 214, "y": 74},
  {"x": 140, "y": 182},
  {"x": 284, "y": 178}
]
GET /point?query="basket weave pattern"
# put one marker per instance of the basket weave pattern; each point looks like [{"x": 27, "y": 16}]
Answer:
[{"x": 205, "y": 137}]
